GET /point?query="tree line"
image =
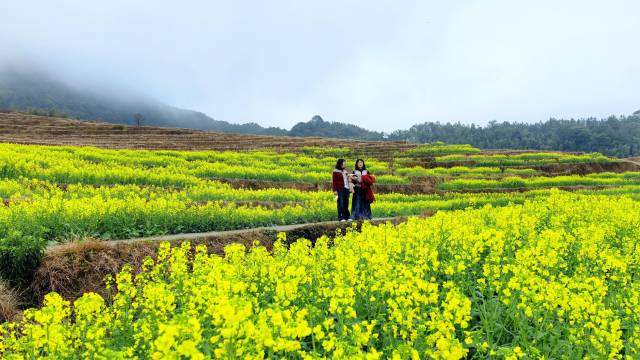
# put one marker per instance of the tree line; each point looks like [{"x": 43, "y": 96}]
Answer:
[{"x": 613, "y": 136}]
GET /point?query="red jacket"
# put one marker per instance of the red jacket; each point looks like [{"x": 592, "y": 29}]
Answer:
[
  {"x": 338, "y": 180},
  {"x": 367, "y": 184}
]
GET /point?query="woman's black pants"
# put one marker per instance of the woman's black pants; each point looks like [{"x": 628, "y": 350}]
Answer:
[{"x": 343, "y": 204}]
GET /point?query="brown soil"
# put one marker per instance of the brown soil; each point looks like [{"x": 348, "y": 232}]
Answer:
[
  {"x": 264, "y": 184},
  {"x": 524, "y": 189},
  {"x": 546, "y": 170},
  {"x": 586, "y": 168},
  {"x": 271, "y": 205},
  {"x": 421, "y": 186},
  {"x": 75, "y": 268}
]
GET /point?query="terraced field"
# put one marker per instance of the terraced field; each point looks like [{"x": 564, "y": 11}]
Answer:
[
  {"x": 33, "y": 129},
  {"x": 323, "y": 297}
]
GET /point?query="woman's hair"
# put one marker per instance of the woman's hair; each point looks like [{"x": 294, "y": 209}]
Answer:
[
  {"x": 339, "y": 164},
  {"x": 364, "y": 166}
]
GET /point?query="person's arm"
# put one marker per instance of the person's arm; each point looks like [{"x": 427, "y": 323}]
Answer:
[
  {"x": 334, "y": 184},
  {"x": 368, "y": 180}
]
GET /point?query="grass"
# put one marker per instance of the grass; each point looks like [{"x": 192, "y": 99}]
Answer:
[{"x": 8, "y": 302}]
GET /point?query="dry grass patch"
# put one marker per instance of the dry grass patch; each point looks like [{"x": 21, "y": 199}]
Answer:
[{"x": 9, "y": 302}]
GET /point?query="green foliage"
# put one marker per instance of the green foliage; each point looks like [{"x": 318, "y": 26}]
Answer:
[
  {"x": 20, "y": 254},
  {"x": 613, "y": 136},
  {"x": 317, "y": 127}
]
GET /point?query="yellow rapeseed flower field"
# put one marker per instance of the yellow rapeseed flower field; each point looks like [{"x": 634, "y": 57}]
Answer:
[{"x": 557, "y": 278}]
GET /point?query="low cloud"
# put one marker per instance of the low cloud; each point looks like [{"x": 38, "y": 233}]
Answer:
[{"x": 379, "y": 64}]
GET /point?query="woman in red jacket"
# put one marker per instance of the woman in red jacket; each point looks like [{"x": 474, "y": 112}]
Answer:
[
  {"x": 363, "y": 194},
  {"x": 341, "y": 190}
]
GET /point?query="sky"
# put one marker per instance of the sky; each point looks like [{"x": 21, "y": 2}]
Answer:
[{"x": 384, "y": 65}]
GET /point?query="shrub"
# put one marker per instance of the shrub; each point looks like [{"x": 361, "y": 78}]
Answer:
[{"x": 19, "y": 257}]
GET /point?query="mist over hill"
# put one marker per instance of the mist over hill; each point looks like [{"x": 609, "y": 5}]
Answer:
[
  {"x": 31, "y": 90},
  {"x": 34, "y": 90}
]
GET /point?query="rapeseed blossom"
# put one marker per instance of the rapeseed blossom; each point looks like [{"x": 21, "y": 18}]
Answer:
[{"x": 555, "y": 278}]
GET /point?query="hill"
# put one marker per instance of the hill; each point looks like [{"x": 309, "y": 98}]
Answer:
[
  {"x": 40, "y": 93},
  {"x": 614, "y": 136},
  {"x": 318, "y": 127}
]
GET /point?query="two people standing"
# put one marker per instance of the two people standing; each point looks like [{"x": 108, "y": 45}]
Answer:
[{"x": 359, "y": 183}]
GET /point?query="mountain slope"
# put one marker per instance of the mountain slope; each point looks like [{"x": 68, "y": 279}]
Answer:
[{"x": 23, "y": 90}]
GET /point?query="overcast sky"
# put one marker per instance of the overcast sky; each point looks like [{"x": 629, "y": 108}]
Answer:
[{"x": 380, "y": 64}]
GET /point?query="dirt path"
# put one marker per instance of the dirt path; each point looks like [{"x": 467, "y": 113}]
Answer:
[
  {"x": 637, "y": 163},
  {"x": 227, "y": 233},
  {"x": 75, "y": 268}
]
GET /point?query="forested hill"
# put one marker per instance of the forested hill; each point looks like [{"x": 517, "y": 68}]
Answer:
[
  {"x": 30, "y": 90},
  {"x": 614, "y": 136},
  {"x": 318, "y": 127}
]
